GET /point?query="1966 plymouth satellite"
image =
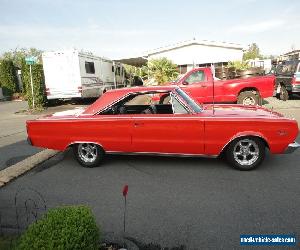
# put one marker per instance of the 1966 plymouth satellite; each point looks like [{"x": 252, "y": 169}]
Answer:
[{"x": 166, "y": 121}]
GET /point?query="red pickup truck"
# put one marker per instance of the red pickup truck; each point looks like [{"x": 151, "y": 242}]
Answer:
[{"x": 199, "y": 84}]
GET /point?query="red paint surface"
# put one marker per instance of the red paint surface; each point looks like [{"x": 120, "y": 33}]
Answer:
[
  {"x": 225, "y": 90},
  {"x": 203, "y": 133}
]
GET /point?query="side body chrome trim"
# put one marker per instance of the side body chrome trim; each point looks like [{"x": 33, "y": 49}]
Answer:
[{"x": 160, "y": 154}]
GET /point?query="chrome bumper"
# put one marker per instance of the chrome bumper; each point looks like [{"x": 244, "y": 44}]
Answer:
[{"x": 292, "y": 147}]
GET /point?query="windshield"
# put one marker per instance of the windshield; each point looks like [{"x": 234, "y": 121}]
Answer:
[{"x": 196, "y": 107}]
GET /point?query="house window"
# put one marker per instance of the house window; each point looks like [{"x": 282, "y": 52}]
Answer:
[
  {"x": 182, "y": 69},
  {"x": 89, "y": 68}
]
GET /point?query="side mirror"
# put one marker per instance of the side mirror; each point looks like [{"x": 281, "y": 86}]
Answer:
[{"x": 185, "y": 83}]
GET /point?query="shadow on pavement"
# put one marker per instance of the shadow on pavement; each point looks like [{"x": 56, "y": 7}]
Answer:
[{"x": 16, "y": 152}]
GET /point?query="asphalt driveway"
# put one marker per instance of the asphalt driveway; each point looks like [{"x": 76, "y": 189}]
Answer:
[{"x": 196, "y": 202}]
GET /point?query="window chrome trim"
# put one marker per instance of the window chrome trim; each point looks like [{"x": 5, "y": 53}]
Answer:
[
  {"x": 129, "y": 94},
  {"x": 175, "y": 95}
]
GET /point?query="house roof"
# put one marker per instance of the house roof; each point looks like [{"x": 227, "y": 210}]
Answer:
[
  {"x": 142, "y": 58},
  {"x": 194, "y": 42}
]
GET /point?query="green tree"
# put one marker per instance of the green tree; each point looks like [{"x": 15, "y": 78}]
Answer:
[
  {"x": 18, "y": 55},
  {"x": 252, "y": 53},
  {"x": 8, "y": 77},
  {"x": 162, "y": 70},
  {"x": 38, "y": 84}
]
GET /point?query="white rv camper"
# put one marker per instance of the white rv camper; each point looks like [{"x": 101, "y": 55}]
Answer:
[{"x": 71, "y": 74}]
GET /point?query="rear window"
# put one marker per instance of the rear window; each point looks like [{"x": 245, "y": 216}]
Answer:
[{"x": 288, "y": 67}]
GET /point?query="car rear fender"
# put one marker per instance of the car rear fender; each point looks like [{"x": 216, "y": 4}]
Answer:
[{"x": 77, "y": 142}]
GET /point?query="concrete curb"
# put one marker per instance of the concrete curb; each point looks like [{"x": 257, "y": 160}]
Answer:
[{"x": 12, "y": 172}]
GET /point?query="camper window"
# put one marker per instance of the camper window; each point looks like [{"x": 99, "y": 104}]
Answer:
[{"x": 89, "y": 68}]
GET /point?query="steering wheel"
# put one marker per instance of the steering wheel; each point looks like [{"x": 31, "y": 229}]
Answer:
[
  {"x": 150, "y": 110},
  {"x": 114, "y": 110}
]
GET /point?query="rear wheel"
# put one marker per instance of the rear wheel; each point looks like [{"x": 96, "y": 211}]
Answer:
[
  {"x": 89, "y": 155},
  {"x": 248, "y": 98},
  {"x": 246, "y": 153},
  {"x": 283, "y": 94}
]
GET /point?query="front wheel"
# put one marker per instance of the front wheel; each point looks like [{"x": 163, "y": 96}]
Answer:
[
  {"x": 89, "y": 155},
  {"x": 246, "y": 153}
]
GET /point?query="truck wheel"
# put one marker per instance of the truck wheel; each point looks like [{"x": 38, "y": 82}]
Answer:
[
  {"x": 89, "y": 155},
  {"x": 283, "y": 94},
  {"x": 246, "y": 153},
  {"x": 248, "y": 98}
]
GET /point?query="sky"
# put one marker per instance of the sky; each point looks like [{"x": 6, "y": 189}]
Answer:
[{"x": 120, "y": 29}]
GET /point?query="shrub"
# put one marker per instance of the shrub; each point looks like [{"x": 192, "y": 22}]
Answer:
[
  {"x": 38, "y": 84},
  {"x": 162, "y": 70},
  {"x": 70, "y": 227},
  {"x": 8, "y": 77},
  {"x": 239, "y": 65}
]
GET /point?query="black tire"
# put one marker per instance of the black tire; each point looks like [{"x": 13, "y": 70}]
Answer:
[
  {"x": 93, "y": 150},
  {"x": 283, "y": 94},
  {"x": 247, "y": 158},
  {"x": 248, "y": 98}
]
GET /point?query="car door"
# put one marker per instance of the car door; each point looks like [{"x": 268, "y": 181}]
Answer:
[
  {"x": 198, "y": 86},
  {"x": 178, "y": 133},
  {"x": 113, "y": 132}
]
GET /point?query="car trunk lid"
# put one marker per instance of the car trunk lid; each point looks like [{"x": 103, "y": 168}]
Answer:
[{"x": 225, "y": 110}]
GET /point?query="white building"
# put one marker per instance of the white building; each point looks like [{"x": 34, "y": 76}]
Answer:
[
  {"x": 192, "y": 53},
  {"x": 291, "y": 55}
]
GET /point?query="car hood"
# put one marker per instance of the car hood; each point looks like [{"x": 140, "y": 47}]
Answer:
[{"x": 224, "y": 110}]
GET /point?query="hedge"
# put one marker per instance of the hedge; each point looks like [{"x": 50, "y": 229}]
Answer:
[
  {"x": 38, "y": 84},
  {"x": 68, "y": 228},
  {"x": 8, "y": 77}
]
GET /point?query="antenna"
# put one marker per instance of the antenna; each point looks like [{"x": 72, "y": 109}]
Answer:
[{"x": 213, "y": 80}]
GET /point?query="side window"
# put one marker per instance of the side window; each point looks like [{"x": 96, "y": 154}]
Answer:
[
  {"x": 145, "y": 99},
  {"x": 89, "y": 68},
  {"x": 178, "y": 108},
  {"x": 197, "y": 76}
]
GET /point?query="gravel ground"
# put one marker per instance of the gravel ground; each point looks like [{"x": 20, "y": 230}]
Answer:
[{"x": 273, "y": 102}]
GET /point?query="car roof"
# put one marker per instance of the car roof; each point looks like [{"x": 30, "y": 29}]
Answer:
[{"x": 113, "y": 95}]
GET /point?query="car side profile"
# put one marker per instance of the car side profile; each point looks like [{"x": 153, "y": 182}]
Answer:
[{"x": 165, "y": 120}]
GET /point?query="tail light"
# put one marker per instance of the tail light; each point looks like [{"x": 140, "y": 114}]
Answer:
[
  {"x": 47, "y": 91},
  {"x": 295, "y": 80},
  {"x": 80, "y": 89}
]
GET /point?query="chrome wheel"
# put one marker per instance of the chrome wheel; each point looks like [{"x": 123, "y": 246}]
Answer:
[
  {"x": 87, "y": 152},
  {"x": 249, "y": 100},
  {"x": 246, "y": 152}
]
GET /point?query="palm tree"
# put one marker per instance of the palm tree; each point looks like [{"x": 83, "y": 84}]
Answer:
[{"x": 162, "y": 70}]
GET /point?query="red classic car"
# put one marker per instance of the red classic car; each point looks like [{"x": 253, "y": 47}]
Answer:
[{"x": 166, "y": 121}]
